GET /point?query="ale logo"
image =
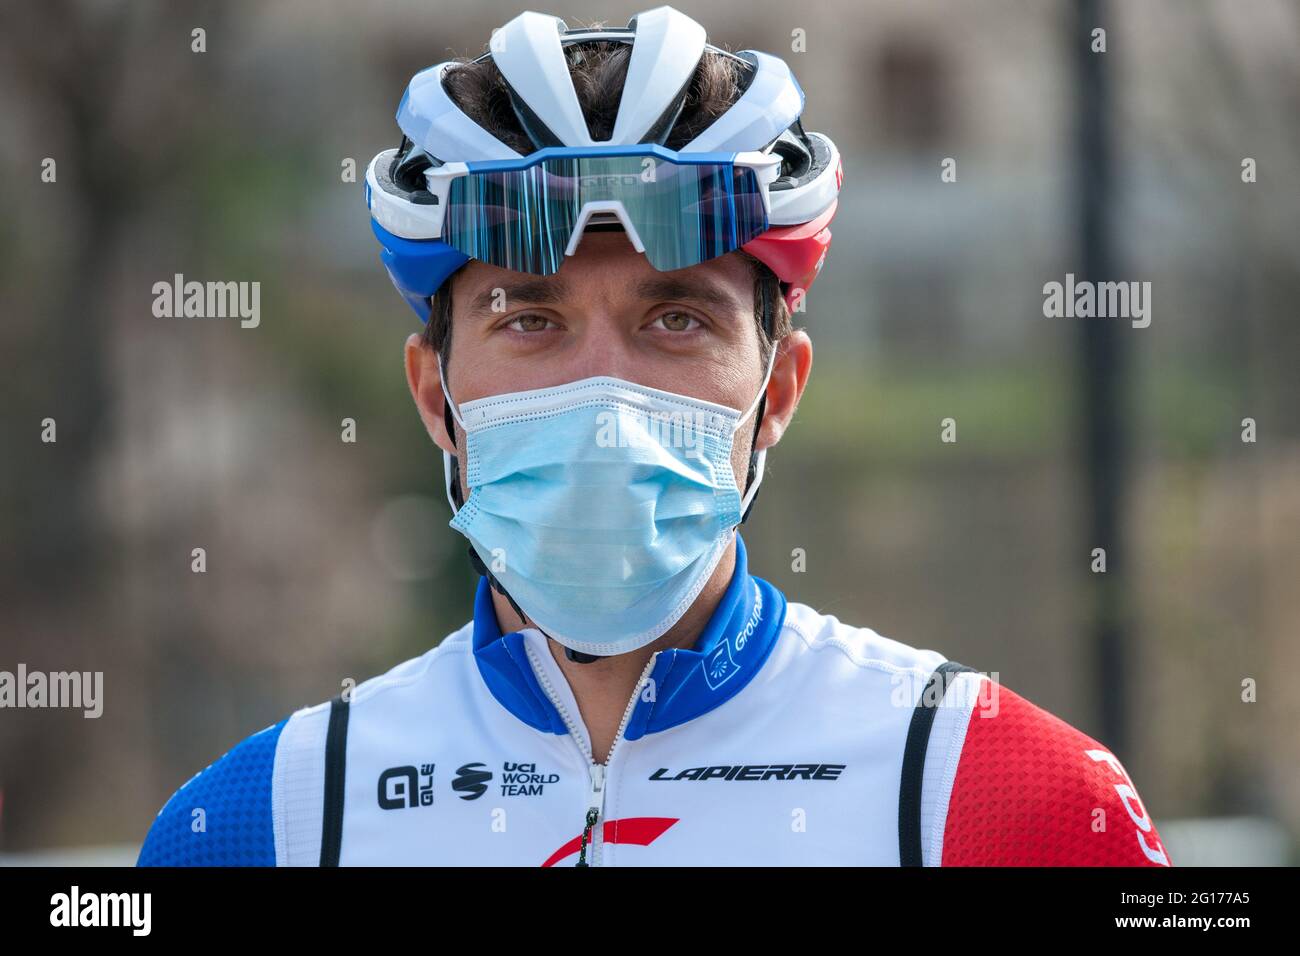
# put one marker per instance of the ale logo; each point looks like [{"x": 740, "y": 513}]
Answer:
[{"x": 402, "y": 787}]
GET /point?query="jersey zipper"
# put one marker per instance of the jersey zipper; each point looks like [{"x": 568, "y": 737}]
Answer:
[{"x": 596, "y": 771}]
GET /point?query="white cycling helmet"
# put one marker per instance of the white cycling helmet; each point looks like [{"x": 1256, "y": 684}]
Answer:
[{"x": 753, "y": 179}]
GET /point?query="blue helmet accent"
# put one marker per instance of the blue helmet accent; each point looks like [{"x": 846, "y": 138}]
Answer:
[{"x": 418, "y": 267}]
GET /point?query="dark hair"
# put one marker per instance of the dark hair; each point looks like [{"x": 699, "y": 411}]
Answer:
[{"x": 599, "y": 70}]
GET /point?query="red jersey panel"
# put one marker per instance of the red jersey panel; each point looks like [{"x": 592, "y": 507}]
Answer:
[{"x": 1031, "y": 790}]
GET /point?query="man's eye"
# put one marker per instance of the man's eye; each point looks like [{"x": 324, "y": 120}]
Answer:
[
  {"x": 529, "y": 323},
  {"x": 677, "y": 321}
]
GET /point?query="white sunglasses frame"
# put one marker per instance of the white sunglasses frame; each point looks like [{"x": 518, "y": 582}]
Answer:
[{"x": 406, "y": 219}]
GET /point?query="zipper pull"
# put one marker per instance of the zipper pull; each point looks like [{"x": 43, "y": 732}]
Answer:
[
  {"x": 596, "y": 799},
  {"x": 592, "y": 816}
]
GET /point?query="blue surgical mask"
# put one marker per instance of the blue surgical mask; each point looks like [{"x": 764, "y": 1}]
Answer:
[{"x": 602, "y": 506}]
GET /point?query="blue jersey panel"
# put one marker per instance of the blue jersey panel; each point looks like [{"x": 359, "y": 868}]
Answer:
[{"x": 234, "y": 827}]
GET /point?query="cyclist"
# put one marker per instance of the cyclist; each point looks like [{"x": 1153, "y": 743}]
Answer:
[{"x": 605, "y": 233}]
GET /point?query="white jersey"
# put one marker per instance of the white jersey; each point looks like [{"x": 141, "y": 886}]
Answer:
[{"x": 784, "y": 737}]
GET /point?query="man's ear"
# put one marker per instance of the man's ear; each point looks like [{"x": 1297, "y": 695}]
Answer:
[
  {"x": 426, "y": 388},
  {"x": 790, "y": 374}
]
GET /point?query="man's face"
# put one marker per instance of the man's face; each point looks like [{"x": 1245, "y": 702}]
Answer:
[{"x": 608, "y": 312}]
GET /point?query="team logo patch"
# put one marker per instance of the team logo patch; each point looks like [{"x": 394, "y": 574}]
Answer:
[
  {"x": 524, "y": 780},
  {"x": 516, "y": 780},
  {"x": 471, "y": 781},
  {"x": 720, "y": 665},
  {"x": 404, "y": 787}
]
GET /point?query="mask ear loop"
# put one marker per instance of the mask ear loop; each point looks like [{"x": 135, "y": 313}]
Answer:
[
  {"x": 762, "y": 391},
  {"x": 759, "y": 457},
  {"x": 450, "y": 467},
  {"x": 442, "y": 382}
]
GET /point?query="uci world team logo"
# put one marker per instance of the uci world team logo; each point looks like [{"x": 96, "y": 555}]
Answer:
[
  {"x": 403, "y": 787},
  {"x": 516, "y": 780},
  {"x": 471, "y": 781}
]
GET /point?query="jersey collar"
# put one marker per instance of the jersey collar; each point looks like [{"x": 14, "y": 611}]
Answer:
[{"x": 686, "y": 683}]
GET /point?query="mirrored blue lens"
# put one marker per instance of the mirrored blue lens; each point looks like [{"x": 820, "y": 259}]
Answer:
[{"x": 522, "y": 219}]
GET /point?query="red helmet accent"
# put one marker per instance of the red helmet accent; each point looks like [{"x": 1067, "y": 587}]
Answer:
[{"x": 795, "y": 253}]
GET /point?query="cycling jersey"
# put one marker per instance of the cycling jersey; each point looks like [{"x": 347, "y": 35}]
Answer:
[{"x": 782, "y": 737}]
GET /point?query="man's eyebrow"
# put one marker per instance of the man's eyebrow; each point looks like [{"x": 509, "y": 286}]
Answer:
[
  {"x": 532, "y": 291},
  {"x": 668, "y": 287}
]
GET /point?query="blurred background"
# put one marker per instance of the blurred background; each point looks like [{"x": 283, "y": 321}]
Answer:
[{"x": 329, "y": 560}]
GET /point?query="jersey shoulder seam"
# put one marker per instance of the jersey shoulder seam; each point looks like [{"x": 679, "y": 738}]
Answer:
[
  {"x": 852, "y": 654},
  {"x": 456, "y": 643}
]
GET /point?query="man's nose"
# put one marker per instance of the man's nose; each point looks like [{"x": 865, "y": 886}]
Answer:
[{"x": 605, "y": 349}]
